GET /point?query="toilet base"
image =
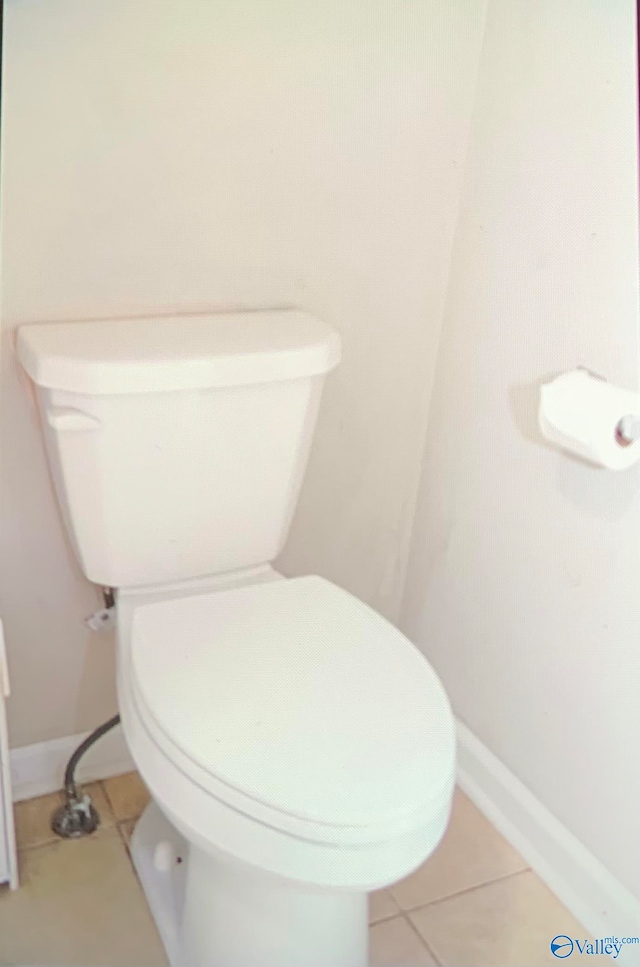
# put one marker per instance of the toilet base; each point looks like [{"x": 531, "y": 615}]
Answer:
[
  {"x": 160, "y": 855},
  {"x": 214, "y": 912}
]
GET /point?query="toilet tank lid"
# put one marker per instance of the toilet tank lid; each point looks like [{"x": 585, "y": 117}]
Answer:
[{"x": 152, "y": 355}]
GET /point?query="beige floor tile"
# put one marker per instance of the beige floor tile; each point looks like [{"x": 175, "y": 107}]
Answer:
[
  {"x": 394, "y": 943},
  {"x": 382, "y": 906},
  {"x": 509, "y": 923},
  {"x": 472, "y": 852},
  {"x": 79, "y": 903},
  {"x": 128, "y": 795},
  {"x": 33, "y": 816}
]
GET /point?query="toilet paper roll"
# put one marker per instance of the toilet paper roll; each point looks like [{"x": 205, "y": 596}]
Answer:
[{"x": 582, "y": 413}]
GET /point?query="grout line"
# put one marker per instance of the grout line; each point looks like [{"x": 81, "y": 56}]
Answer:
[
  {"x": 469, "y": 889},
  {"x": 47, "y": 842},
  {"x": 423, "y": 941},
  {"x": 121, "y": 833},
  {"x": 383, "y": 919},
  {"x": 127, "y": 849},
  {"x": 63, "y": 840},
  {"x": 100, "y": 786},
  {"x": 103, "y": 786}
]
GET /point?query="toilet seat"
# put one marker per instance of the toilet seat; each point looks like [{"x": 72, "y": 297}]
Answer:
[{"x": 296, "y": 704}]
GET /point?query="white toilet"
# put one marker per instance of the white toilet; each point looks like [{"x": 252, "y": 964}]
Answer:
[{"x": 298, "y": 748}]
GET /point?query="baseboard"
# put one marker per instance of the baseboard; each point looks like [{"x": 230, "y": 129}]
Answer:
[
  {"x": 589, "y": 891},
  {"x": 39, "y": 769}
]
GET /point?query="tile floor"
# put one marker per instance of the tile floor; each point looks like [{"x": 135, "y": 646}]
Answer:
[{"x": 474, "y": 904}]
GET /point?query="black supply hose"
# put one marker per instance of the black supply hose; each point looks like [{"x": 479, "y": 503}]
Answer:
[
  {"x": 69, "y": 781},
  {"x": 78, "y": 816}
]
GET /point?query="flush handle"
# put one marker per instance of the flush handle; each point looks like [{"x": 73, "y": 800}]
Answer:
[{"x": 68, "y": 418}]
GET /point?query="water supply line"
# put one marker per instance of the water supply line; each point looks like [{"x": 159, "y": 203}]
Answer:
[{"x": 78, "y": 816}]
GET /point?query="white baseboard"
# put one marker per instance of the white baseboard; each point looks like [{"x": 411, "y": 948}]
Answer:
[
  {"x": 589, "y": 891},
  {"x": 39, "y": 769}
]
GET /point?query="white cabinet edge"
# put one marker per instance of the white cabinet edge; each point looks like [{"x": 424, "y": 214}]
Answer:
[{"x": 7, "y": 829}]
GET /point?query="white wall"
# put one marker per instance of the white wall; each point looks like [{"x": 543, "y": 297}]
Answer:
[
  {"x": 194, "y": 154},
  {"x": 524, "y": 576}
]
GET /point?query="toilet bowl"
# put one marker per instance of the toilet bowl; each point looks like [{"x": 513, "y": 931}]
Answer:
[
  {"x": 282, "y": 829},
  {"x": 299, "y": 750}
]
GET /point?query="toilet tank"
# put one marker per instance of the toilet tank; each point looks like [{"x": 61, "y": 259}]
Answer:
[{"x": 178, "y": 445}]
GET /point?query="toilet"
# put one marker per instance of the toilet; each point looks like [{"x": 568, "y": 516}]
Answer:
[{"x": 298, "y": 749}]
